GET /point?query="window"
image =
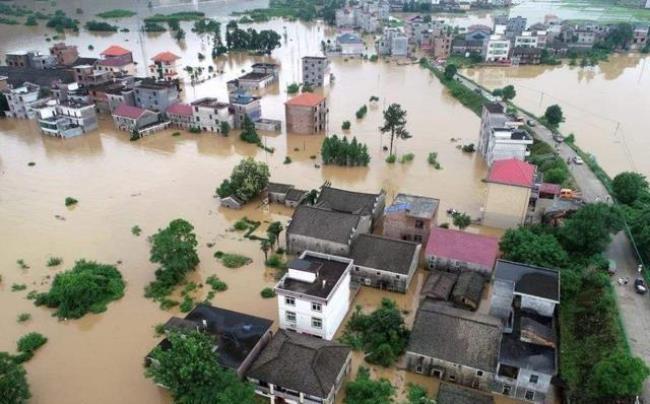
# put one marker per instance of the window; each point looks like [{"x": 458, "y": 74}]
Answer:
[
  {"x": 530, "y": 395},
  {"x": 534, "y": 379},
  {"x": 419, "y": 224},
  {"x": 479, "y": 373},
  {"x": 417, "y": 238},
  {"x": 316, "y": 323},
  {"x": 506, "y": 390},
  {"x": 289, "y": 301},
  {"x": 290, "y": 316},
  {"x": 316, "y": 307}
]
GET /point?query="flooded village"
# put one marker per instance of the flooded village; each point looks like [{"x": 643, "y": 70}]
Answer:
[{"x": 111, "y": 136}]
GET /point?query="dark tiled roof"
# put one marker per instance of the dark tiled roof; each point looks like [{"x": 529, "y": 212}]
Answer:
[
  {"x": 328, "y": 272},
  {"x": 301, "y": 363},
  {"x": 525, "y": 355},
  {"x": 16, "y": 76},
  {"x": 347, "y": 201},
  {"x": 84, "y": 61},
  {"x": 323, "y": 224},
  {"x": 494, "y": 107},
  {"x": 438, "y": 285},
  {"x": 469, "y": 286},
  {"x": 529, "y": 279},
  {"x": 455, "y": 394},
  {"x": 383, "y": 253},
  {"x": 236, "y": 333},
  {"x": 275, "y": 187},
  {"x": 449, "y": 334},
  {"x": 294, "y": 195}
]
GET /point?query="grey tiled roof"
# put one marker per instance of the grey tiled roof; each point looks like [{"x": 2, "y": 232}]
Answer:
[
  {"x": 295, "y": 194},
  {"x": 529, "y": 279},
  {"x": 454, "y": 394},
  {"x": 470, "y": 286},
  {"x": 383, "y": 253},
  {"x": 323, "y": 224},
  {"x": 347, "y": 201},
  {"x": 276, "y": 187},
  {"x": 299, "y": 362},
  {"x": 450, "y": 334}
]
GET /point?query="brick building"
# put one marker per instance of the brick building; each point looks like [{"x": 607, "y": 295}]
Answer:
[{"x": 306, "y": 114}]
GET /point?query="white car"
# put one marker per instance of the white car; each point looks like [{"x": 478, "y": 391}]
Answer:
[{"x": 578, "y": 160}]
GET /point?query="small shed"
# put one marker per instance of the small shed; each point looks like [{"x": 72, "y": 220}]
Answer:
[
  {"x": 276, "y": 192},
  {"x": 232, "y": 202},
  {"x": 438, "y": 285},
  {"x": 294, "y": 197},
  {"x": 468, "y": 290}
]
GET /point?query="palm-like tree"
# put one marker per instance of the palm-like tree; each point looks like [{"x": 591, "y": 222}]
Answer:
[{"x": 395, "y": 124}]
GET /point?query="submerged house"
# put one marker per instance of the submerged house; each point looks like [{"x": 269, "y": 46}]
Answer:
[
  {"x": 296, "y": 368},
  {"x": 323, "y": 230},
  {"x": 411, "y": 218},
  {"x": 384, "y": 263},
  {"x": 510, "y": 183},
  {"x": 129, "y": 118},
  {"x": 369, "y": 206},
  {"x": 276, "y": 192},
  {"x": 239, "y": 338}
]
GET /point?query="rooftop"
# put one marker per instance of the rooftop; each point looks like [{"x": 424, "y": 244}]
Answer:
[
  {"x": 114, "y": 62},
  {"x": 166, "y": 57},
  {"x": 328, "y": 271},
  {"x": 494, "y": 108},
  {"x": 512, "y": 172},
  {"x": 16, "y": 76},
  {"x": 529, "y": 279},
  {"x": 456, "y": 394},
  {"x": 306, "y": 100},
  {"x": 236, "y": 333},
  {"x": 254, "y": 76},
  {"x": 180, "y": 108},
  {"x": 209, "y": 102},
  {"x": 447, "y": 333},
  {"x": 323, "y": 224},
  {"x": 463, "y": 246},
  {"x": 275, "y": 187},
  {"x": 115, "y": 50},
  {"x": 525, "y": 355},
  {"x": 419, "y": 207},
  {"x": 128, "y": 111},
  {"x": 470, "y": 286},
  {"x": 341, "y": 200},
  {"x": 349, "y": 38},
  {"x": 301, "y": 363},
  {"x": 153, "y": 84},
  {"x": 294, "y": 195},
  {"x": 438, "y": 285},
  {"x": 383, "y": 253}
]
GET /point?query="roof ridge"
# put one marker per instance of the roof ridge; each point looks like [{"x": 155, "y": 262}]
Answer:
[
  {"x": 556, "y": 271},
  {"x": 395, "y": 240},
  {"x": 477, "y": 318}
]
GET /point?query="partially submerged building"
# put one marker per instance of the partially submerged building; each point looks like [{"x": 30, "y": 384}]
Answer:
[
  {"x": 306, "y": 113},
  {"x": 500, "y": 137},
  {"x": 367, "y": 205},
  {"x": 239, "y": 338},
  {"x": 510, "y": 184},
  {"x": 297, "y": 368},
  {"x": 468, "y": 290},
  {"x": 411, "y": 218},
  {"x": 129, "y": 118},
  {"x": 164, "y": 66},
  {"x": 455, "y": 394},
  {"x": 315, "y": 70},
  {"x": 314, "y": 295},
  {"x": 384, "y": 263},
  {"x": 456, "y": 251}
]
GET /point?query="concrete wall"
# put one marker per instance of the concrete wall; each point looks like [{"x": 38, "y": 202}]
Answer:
[
  {"x": 522, "y": 385},
  {"x": 306, "y": 120},
  {"x": 506, "y": 206},
  {"x": 450, "y": 372},
  {"x": 400, "y": 226},
  {"x": 541, "y": 306},
  {"x": 380, "y": 279},
  {"x": 297, "y": 243},
  {"x": 455, "y": 266}
]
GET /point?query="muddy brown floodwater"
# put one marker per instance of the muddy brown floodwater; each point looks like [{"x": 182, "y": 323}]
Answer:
[
  {"x": 605, "y": 106},
  {"x": 147, "y": 183}
]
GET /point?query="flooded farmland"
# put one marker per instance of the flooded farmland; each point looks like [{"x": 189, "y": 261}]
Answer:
[{"x": 119, "y": 184}]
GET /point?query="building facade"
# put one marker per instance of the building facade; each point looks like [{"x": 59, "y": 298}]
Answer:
[
  {"x": 156, "y": 95},
  {"x": 306, "y": 113},
  {"x": 208, "y": 114},
  {"x": 23, "y": 100},
  {"x": 315, "y": 70},
  {"x": 411, "y": 218},
  {"x": 510, "y": 184}
]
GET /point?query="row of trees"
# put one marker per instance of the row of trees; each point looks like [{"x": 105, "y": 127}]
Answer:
[
  {"x": 263, "y": 41},
  {"x": 593, "y": 342},
  {"x": 631, "y": 190},
  {"x": 339, "y": 151},
  {"x": 246, "y": 181}
]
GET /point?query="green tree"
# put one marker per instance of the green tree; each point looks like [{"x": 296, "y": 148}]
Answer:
[
  {"x": 87, "y": 287},
  {"x": 13, "y": 381},
  {"x": 628, "y": 186},
  {"x": 553, "y": 115},
  {"x": 266, "y": 245},
  {"x": 4, "y": 105},
  {"x": 382, "y": 333},
  {"x": 589, "y": 230},
  {"x": 248, "y": 132},
  {"x": 174, "y": 249},
  {"x": 524, "y": 245},
  {"x": 418, "y": 395},
  {"x": 508, "y": 93},
  {"x": 461, "y": 220},
  {"x": 274, "y": 230},
  {"x": 395, "y": 124},
  {"x": 619, "y": 375},
  {"x": 450, "y": 71},
  {"x": 224, "y": 127},
  {"x": 363, "y": 390},
  {"x": 179, "y": 35},
  {"x": 31, "y": 21},
  {"x": 620, "y": 35},
  {"x": 247, "y": 180},
  {"x": 189, "y": 369}
]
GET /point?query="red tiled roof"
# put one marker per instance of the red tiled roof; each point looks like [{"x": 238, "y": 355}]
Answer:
[
  {"x": 115, "y": 50},
  {"x": 165, "y": 57},
  {"x": 128, "y": 111},
  {"x": 306, "y": 100},
  {"x": 180, "y": 109},
  {"x": 512, "y": 172},
  {"x": 463, "y": 246}
]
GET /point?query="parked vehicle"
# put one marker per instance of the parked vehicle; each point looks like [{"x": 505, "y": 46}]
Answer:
[
  {"x": 640, "y": 286},
  {"x": 611, "y": 268},
  {"x": 531, "y": 123},
  {"x": 578, "y": 160},
  {"x": 558, "y": 138}
]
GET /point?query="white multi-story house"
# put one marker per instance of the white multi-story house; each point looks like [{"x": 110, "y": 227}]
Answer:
[
  {"x": 164, "y": 66},
  {"x": 315, "y": 70},
  {"x": 209, "y": 113},
  {"x": 314, "y": 295},
  {"x": 23, "y": 100},
  {"x": 526, "y": 40},
  {"x": 393, "y": 42},
  {"x": 496, "y": 49},
  {"x": 499, "y": 137},
  {"x": 68, "y": 119}
]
